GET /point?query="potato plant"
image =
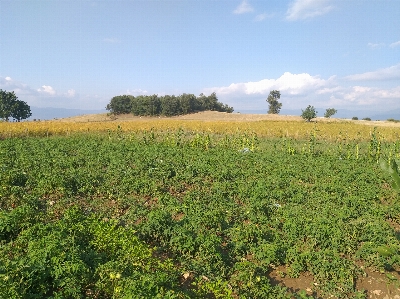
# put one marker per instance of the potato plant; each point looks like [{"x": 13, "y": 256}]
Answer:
[{"x": 183, "y": 214}]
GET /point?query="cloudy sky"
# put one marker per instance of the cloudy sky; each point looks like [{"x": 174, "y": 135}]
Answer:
[{"x": 79, "y": 54}]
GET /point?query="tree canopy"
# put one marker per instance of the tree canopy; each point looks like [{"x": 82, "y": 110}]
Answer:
[
  {"x": 10, "y": 106},
  {"x": 274, "y": 105},
  {"x": 309, "y": 113},
  {"x": 168, "y": 105},
  {"x": 329, "y": 112}
]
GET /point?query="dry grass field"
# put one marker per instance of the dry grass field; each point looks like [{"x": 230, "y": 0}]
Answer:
[
  {"x": 264, "y": 125},
  {"x": 220, "y": 116}
]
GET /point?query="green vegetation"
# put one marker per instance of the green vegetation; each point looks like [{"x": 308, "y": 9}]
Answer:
[
  {"x": 166, "y": 105},
  {"x": 329, "y": 112},
  {"x": 309, "y": 113},
  {"x": 354, "y": 118},
  {"x": 367, "y": 118},
  {"x": 272, "y": 100},
  {"x": 192, "y": 215},
  {"x": 10, "y": 106}
]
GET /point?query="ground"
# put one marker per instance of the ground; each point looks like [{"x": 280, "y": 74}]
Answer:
[
  {"x": 377, "y": 285},
  {"x": 220, "y": 116}
]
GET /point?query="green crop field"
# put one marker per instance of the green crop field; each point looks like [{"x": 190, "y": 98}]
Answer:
[{"x": 181, "y": 214}]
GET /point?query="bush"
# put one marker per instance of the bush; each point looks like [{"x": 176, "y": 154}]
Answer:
[
  {"x": 393, "y": 120},
  {"x": 309, "y": 113},
  {"x": 367, "y": 118},
  {"x": 354, "y": 118}
]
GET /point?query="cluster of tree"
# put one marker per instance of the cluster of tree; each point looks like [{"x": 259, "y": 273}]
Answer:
[
  {"x": 274, "y": 107},
  {"x": 310, "y": 113},
  {"x": 10, "y": 106},
  {"x": 168, "y": 105}
]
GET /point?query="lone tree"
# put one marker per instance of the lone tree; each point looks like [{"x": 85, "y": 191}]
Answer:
[
  {"x": 10, "y": 106},
  {"x": 309, "y": 113},
  {"x": 274, "y": 105},
  {"x": 329, "y": 112}
]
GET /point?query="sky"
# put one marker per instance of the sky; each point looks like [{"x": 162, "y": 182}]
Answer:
[{"x": 78, "y": 54}]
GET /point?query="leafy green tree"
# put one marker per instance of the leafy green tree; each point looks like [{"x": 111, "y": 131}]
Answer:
[
  {"x": 309, "y": 113},
  {"x": 21, "y": 110},
  {"x": 10, "y": 106},
  {"x": 274, "y": 105},
  {"x": 170, "y": 105},
  {"x": 120, "y": 104},
  {"x": 329, "y": 112}
]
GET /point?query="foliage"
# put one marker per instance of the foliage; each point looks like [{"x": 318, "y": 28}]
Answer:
[
  {"x": 182, "y": 214},
  {"x": 10, "y": 106},
  {"x": 367, "y": 118},
  {"x": 168, "y": 105},
  {"x": 354, "y": 118},
  {"x": 393, "y": 170},
  {"x": 309, "y": 113},
  {"x": 272, "y": 100},
  {"x": 329, "y": 112},
  {"x": 120, "y": 104}
]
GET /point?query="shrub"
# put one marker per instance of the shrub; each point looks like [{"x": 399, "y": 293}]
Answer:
[
  {"x": 367, "y": 118},
  {"x": 354, "y": 118}
]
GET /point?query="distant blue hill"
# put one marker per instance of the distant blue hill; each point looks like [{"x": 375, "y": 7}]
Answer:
[{"x": 52, "y": 113}]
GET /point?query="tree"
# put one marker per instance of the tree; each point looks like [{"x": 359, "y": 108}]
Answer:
[
  {"x": 274, "y": 105},
  {"x": 10, "y": 106},
  {"x": 329, "y": 112},
  {"x": 309, "y": 113},
  {"x": 21, "y": 110},
  {"x": 120, "y": 104}
]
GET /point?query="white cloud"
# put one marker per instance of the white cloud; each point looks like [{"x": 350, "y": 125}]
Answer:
[
  {"x": 376, "y": 46},
  {"x": 47, "y": 89},
  {"x": 243, "y": 7},
  {"x": 293, "y": 84},
  {"x": 367, "y": 96},
  {"x": 389, "y": 73},
  {"x": 8, "y": 78},
  {"x": 300, "y": 90},
  {"x": 305, "y": 9},
  {"x": 71, "y": 93},
  {"x": 396, "y": 44},
  {"x": 262, "y": 17}
]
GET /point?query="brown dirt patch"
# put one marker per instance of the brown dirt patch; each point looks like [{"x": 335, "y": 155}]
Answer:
[{"x": 376, "y": 285}]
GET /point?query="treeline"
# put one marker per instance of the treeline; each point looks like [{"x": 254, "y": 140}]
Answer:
[{"x": 168, "y": 105}]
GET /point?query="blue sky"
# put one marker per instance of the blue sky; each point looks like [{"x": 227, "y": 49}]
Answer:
[{"x": 79, "y": 54}]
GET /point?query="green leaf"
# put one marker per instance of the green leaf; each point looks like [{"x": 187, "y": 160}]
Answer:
[{"x": 385, "y": 251}]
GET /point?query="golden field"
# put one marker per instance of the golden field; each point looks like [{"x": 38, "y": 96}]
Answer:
[{"x": 212, "y": 122}]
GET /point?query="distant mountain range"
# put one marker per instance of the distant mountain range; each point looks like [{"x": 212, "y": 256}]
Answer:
[
  {"x": 342, "y": 113},
  {"x": 52, "y": 113}
]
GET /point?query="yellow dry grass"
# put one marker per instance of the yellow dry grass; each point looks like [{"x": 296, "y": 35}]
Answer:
[{"x": 213, "y": 122}]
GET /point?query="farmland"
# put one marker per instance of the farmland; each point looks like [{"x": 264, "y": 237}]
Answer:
[{"x": 175, "y": 208}]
